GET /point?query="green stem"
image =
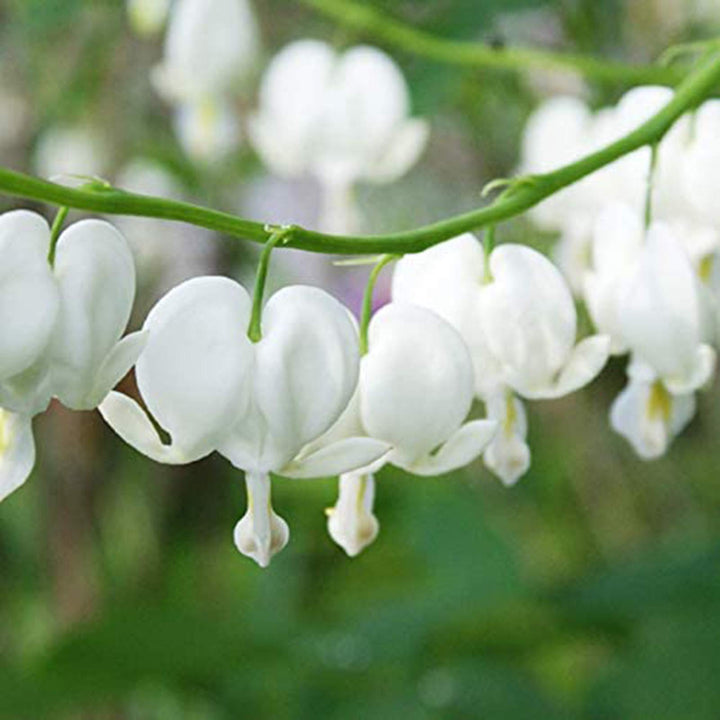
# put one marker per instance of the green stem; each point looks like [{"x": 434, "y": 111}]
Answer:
[
  {"x": 367, "y": 305},
  {"x": 521, "y": 196},
  {"x": 255, "y": 326},
  {"x": 488, "y": 245},
  {"x": 55, "y": 232},
  {"x": 366, "y": 19}
]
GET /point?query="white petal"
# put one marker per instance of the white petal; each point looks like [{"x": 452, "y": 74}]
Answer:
[
  {"x": 461, "y": 448},
  {"x": 194, "y": 374},
  {"x": 133, "y": 425},
  {"x": 528, "y": 316},
  {"x": 208, "y": 129},
  {"x": 28, "y": 296},
  {"x": 660, "y": 309},
  {"x": 17, "y": 451},
  {"x": 306, "y": 371},
  {"x": 446, "y": 278},
  {"x": 96, "y": 276},
  {"x": 416, "y": 382},
  {"x": 698, "y": 376},
  {"x": 116, "y": 365},
  {"x": 351, "y": 523},
  {"x": 586, "y": 361},
  {"x": 261, "y": 533},
  {"x": 342, "y": 456}
]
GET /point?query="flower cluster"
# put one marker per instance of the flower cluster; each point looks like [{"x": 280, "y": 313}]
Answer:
[{"x": 640, "y": 244}]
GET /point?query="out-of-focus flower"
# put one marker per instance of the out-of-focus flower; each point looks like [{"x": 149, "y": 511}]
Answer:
[
  {"x": 64, "y": 152},
  {"x": 517, "y": 316},
  {"x": 14, "y": 113},
  {"x": 148, "y": 17},
  {"x": 338, "y": 118},
  {"x": 258, "y": 404},
  {"x": 60, "y": 326},
  {"x": 417, "y": 408},
  {"x": 166, "y": 253},
  {"x": 208, "y": 129},
  {"x": 210, "y": 45}
]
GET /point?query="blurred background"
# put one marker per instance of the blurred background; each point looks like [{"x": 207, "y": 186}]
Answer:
[{"x": 590, "y": 590}]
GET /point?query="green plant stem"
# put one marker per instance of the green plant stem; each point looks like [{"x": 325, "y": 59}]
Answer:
[
  {"x": 523, "y": 193},
  {"x": 254, "y": 330},
  {"x": 382, "y": 27},
  {"x": 367, "y": 305},
  {"x": 650, "y": 184},
  {"x": 60, "y": 217}
]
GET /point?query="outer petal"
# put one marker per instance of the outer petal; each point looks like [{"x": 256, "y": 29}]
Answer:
[
  {"x": 194, "y": 373},
  {"x": 528, "y": 316},
  {"x": 586, "y": 361},
  {"x": 343, "y": 456},
  {"x": 661, "y": 310},
  {"x": 133, "y": 425},
  {"x": 307, "y": 367},
  {"x": 416, "y": 382},
  {"x": 17, "y": 451},
  {"x": 28, "y": 296},
  {"x": 461, "y": 448},
  {"x": 447, "y": 279},
  {"x": 96, "y": 276}
]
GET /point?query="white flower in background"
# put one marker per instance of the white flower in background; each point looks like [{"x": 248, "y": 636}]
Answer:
[
  {"x": 517, "y": 316},
  {"x": 166, "y": 253},
  {"x": 414, "y": 394},
  {"x": 63, "y": 152},
  {"x": 340, "y": 119},
  {"x": 210, "y": 45},
  {"x": 208, "y": 129},
  {"x": 60, "y": 326},
  {"x": 258, "y": 404},
  {"x": 147, "y": 17}
]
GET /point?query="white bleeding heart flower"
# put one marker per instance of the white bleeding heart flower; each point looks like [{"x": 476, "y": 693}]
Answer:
[
  {"x": 60, "y": 326},
  {"x": 207, "y": 129},
  {"x": 209, "y": 45},
  {"x": 70, "y": 154},
  {"x": 530, "y": 324},
  {"x": 147, "y": 17},
  {"x": 662, "y": 315},
  {"x": 649, "y": 417},
  {"x": 258, "y": 404},
  {"x": 414, "y": 395},
  {"x": 338, "y": 118},
  {"x": 517, "y": 317}
]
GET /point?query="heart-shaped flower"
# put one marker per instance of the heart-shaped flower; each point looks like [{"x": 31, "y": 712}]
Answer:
[{"x": 258, "y": 404}]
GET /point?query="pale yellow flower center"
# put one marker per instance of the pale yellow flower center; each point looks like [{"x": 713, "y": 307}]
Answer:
[
  {"x": 705, "y": 268},
  {"x": 659, "y": 404}
]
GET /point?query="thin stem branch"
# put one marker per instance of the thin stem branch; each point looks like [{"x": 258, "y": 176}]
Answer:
[
  {"x": 387, "y": 30},
  {"x": 523, "y": 193},
  {"x": 255, "y": 326},
  {"x": 367, "y": 305},
  {"x": 55, "y": 230}
]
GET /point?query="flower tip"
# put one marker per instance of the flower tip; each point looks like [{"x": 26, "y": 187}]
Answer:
[{"x": 261, "y": 547}]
